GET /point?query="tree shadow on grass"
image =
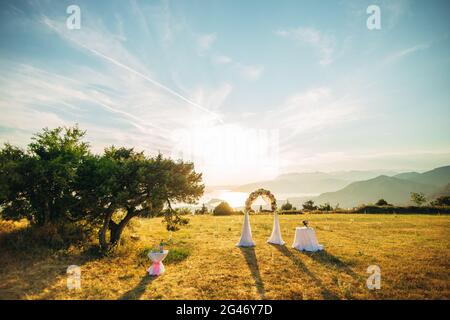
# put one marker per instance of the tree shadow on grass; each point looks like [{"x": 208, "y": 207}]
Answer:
[
  {"x": 33, "y": 270},
  {"x": 329, "y": 260},
  {"x": 326, "y": 294},
  {"x": 137, "y": 292},
  {"x": 250, "y": 257}
]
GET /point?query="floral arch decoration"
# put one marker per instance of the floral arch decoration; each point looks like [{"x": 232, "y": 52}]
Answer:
[{"x": 265, "y": 194}]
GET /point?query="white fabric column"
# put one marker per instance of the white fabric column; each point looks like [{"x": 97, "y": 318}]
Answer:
[
  {"x": 246, "y": 235},
  {"x": 276, "y": 238}
]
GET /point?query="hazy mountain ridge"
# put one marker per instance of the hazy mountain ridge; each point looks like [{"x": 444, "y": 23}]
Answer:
[
  {"x": 436, "y": 177},
  {"x": 445, "y": 191},
  {"x": 395, "y": 190},
  {"x": 341, "y": 188},
  {"x": 311, "y": 182}
]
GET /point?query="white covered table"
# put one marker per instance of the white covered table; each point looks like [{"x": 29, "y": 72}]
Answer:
[
  {"x": 305, "y": 240},
  {"x": 157, "y": 267}
]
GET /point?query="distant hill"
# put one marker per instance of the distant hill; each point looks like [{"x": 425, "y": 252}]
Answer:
[
  {"x": 359, "y": 175},
  {"x": 407, "y": 175},
  {"x": 436, "y": 177},
  {"x": 393, "y": 190},
  {"x": 445, "y": 191},
  {"x": 309, "y": 182}
]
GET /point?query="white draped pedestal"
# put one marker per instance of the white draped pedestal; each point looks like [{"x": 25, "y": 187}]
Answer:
[
  {"x": 246, "y": 235},
  {"x": 157, "y": 267},
  {"x": 305, "y": 240},
  {"x": 276, "y": 238}
]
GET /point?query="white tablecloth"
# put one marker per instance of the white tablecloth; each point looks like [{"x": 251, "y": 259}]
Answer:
[
  {"x": 246, "y": 234},
  {"x": 157, "y": 267},
  {"x": 275, "y": 237},
  {"x": 305, "y": 240}
]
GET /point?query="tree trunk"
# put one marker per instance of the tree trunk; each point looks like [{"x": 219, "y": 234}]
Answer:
[
  {"x": 46, "y": 213},
  {"x": 102, "y": 232},
  {"x": 115, "y": 231},
  {"x": 118, "y": 229}
]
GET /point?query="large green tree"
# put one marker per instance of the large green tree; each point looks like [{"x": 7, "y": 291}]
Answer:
[
  {"x": 57, "y": 179},
  {"x": 126, "y": 181},
  {"x": 38, "y": 183}
]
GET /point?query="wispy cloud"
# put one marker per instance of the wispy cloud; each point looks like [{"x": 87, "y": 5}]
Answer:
[
  {"x": 119, "y": 100},
  {"x": 405, "y": 52},
  {"x": 251, "y": 72},
  {"x": 394, "y": 11},
  {"x": 213, "y": 98},
  {"x": 221, "y": 59},
  {"x": 61, "y": 30},
  {"x": 205, "y": 41},
  {"x": 315, "y": 109},
  {"x": 324, "y": 44}
]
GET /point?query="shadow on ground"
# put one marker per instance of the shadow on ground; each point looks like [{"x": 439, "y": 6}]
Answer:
[
  {"x": 326, "y": 294},
  {"x": 329, "y": 260},
  {"x": 43, "y": 266},
  {"x": 250, "y": 257},
  {"x": 137, "y": 292}
]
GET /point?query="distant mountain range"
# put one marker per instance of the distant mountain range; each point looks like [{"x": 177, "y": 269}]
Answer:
[
  {"x": 311, "y": 182},
  {"x": 445, "y": 191},
  {"x": 395, "y": 190},
  {"x": 353, "y": 188},
  {"x": 436, "y": 177}
]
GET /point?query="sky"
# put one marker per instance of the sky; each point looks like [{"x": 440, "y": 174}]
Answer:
[{"x": 247, "y": 90}]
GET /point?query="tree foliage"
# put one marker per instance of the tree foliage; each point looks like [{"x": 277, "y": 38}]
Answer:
[
  {"x": 223, "y": 209},
  {"x": 202, "y": 210},
  {"x": 441, "y": 201},
  {"x": 286, "y": 206},
  {"x": 309, "y": 205},
  {"x": 325, "y": 207},
  {"x": 418, "y": 198},
  {"x": 128, "y": 181},
  {"x": 382, "y": 202},
  {"x": 38, "y": 183},
  {"x": 57, "y": 178}
]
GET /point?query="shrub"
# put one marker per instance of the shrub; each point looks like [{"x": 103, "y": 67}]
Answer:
[
  {"x": 441, "y": 201},
  {"x": 309, "y": 205},
  {"x": 51, "y": 235},
  {"x": 176, "y": 255},
  {"x": 401, "y": 210},
  {"x": 382, "y": 202},
  {"x": 184, "y": 211},
  {"x": 326, "y": 207},
  {"x": 223, "y": 209},
  {"x": 292, "y": 211},
  {"x": 203, "y": 210},
  {"x": 286, "y": 206},
  {"x": 418, "y": 198}
]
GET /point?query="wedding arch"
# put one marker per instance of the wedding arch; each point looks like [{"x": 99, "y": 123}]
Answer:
[
  {"x": 246, "y": 235},
  {"x": 265, "y": 194}
]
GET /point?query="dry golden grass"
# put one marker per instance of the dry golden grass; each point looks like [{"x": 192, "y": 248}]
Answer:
[{"x": 412, "y": 251}]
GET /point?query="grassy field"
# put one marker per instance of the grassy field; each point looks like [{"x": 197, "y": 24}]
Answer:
[{"x": 413, "y": 252}]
